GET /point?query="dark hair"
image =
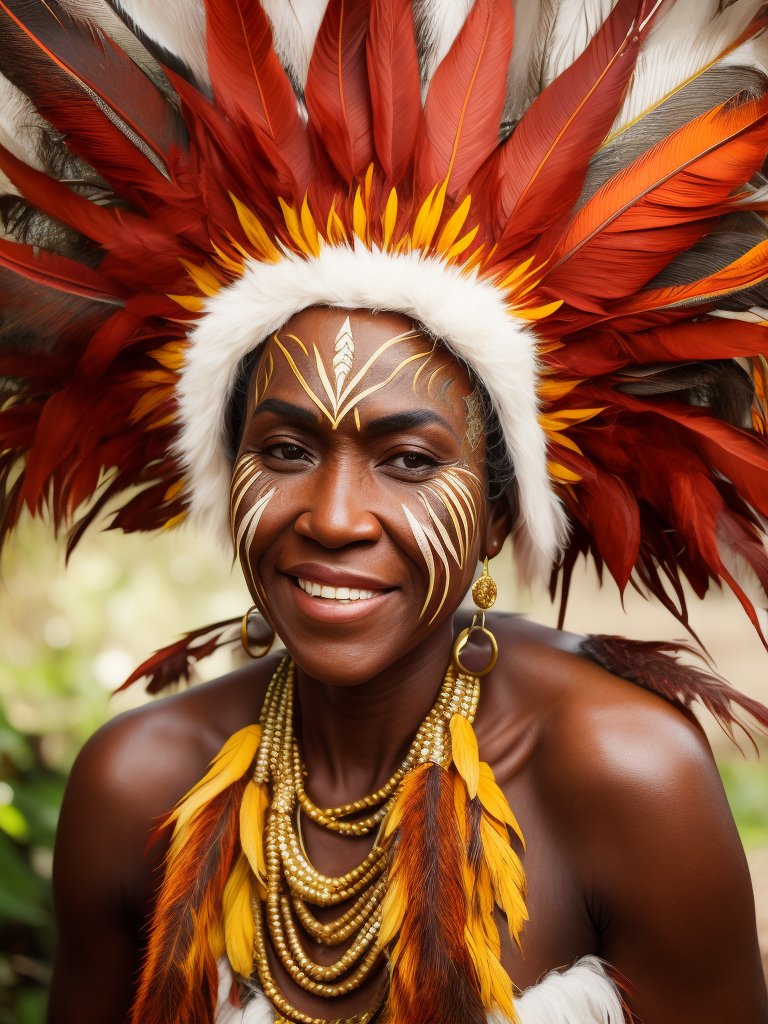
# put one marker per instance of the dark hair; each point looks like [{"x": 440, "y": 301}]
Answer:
[{"x": 499, "y": 467}]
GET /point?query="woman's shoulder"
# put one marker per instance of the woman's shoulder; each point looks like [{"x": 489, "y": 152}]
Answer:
[
  {"x": 588, "y": 729},
  {"x": 151, "y": 756}
]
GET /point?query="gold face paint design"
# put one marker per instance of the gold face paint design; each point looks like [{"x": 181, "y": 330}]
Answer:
[
  {"x": 458, "y": 494},
  {"x": 246, "y": 473},
  {"x": 336, "y": 402}
]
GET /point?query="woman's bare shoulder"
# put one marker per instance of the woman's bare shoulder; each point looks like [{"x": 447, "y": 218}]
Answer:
[{"x": 144, "y": 760}]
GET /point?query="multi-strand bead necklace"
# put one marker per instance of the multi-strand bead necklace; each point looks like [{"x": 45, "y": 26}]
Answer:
[{"x": 293, "y": 884}]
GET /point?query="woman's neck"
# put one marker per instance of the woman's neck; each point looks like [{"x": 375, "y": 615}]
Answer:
[{"x": 354, "y": 737}]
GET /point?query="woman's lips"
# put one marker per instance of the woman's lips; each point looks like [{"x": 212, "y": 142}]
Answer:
[{"x": 333, "y": 608}]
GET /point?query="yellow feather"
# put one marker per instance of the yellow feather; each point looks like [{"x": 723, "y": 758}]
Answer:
[
  {"x": 507, "y": 877},
  {"x": 561, "y": 473},
  {"x": 460, "y": 803},
  {"x": 253, "y": 810},
  {"x": 451, "y": 230},
  {"x": 359, "y": 219},
  {"x": 255, "y": 233},
  {"x": 191, "y": 302},
  {"x": 419, "y": 227},
  {"x": 390, "y": 219},
  {"x": 229, "y": 765},
  {"x": 515, "y": 274},
  {"x": 203, "y": 277},
  {"x": 309, "y": 228},
  {"x": 494, "y": 801},
  {"x": 463, "y": 243},
  {"x": 538, "y": 312},
  {"x": 393, "y": 908},
  {"x": 465, "y": 754},
  {"x": 294, "y": 228},
  {"x": 238, "y": 917},
  {"x": 334, "y": 230}
]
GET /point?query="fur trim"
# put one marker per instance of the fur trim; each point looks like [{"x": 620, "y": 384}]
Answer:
[
  {"x": 468, "y": 314},
  {"x": 583, "y": 995}
]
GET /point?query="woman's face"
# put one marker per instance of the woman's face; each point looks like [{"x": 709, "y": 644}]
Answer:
[{"x": 358, "y": 494}]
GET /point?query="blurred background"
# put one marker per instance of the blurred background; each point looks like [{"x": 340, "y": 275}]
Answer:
[{"x": 69, "y": 638}]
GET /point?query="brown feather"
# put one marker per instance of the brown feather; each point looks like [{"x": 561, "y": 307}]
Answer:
[{"x": 433, "y": 978}]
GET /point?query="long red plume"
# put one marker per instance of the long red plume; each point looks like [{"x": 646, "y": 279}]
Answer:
[
  {"x": 337, "y": 92},
  {"x": 542, "y": 166},
  {"x": 393, "y": 74},
  {"x": 253, "y": 90},
  {"x": 465, "y": 101}
]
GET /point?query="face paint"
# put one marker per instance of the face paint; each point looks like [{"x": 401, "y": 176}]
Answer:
[
  {"x": 380, "y": 503},
  {"x": 338, "y": 401},
  {"x": 458, "y": 493},
  {"x": 246, "y": 474}
]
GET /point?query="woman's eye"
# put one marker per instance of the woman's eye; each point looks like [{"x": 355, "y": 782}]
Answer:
[
  {"x": 287, "y": 452},
  {"x": 412, "y": 461}
]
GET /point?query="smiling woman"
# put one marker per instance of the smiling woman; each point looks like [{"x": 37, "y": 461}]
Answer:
[{"x": 345, "y": 284}]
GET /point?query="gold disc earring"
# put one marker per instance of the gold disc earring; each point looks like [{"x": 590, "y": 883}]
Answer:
[
  {"x": 256, "y": 634},
  {"x": 484, "y": 592}
]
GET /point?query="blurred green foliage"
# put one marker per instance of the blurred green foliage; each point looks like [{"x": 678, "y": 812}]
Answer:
[{"x": 66, "y": 641}]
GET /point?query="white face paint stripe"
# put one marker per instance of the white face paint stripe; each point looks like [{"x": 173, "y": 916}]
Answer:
[
  {"x": 247, "y": 480},
  {"x": 444, "y": 559},
  {"x": 448, "y": 543},
  {"x": 454, "y": 519},
  {"x": 421, "y": 540}
]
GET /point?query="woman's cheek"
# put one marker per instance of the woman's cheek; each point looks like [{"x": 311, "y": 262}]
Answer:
[
  {"x": 444, "y": 521},
  {"x": 251, "y": 492}
]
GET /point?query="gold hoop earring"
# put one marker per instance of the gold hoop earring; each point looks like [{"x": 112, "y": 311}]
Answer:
[
  {"x": 256, "y": 634},
  {"x": 484, "y": 592}
]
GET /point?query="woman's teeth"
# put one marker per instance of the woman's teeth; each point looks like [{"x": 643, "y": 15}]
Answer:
[{"x": 343, "y": 594}]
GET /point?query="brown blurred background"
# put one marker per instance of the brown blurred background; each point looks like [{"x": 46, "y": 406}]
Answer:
[{"x": 69, "y": 638}]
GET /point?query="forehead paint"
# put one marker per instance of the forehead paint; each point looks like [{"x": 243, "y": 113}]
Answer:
[
  {"x": 336, "y": 402},
  {"x": 458, "y": 493}
]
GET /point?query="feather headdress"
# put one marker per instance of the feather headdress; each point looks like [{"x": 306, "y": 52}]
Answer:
[{"x": 575, "y": 210}]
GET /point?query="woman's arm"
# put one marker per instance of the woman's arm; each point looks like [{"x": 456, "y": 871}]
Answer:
[
  {"x": 131, "y": 772},
  {"x": 663, "y": 870}
]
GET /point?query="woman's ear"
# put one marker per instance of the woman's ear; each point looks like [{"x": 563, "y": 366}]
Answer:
[{"x": 497, "y": 526}]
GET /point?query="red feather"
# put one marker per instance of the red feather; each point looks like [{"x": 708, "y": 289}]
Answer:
[
  {"x": 655, "y": 667},
  {"x": 465, "y": 101},
  {"x": 59, "y": 272},
  {"x": 253, "y": 90},
  {"x": 337, "y": 93},
  {"x": 393, "y": 74},
  {"x": 174, "y": 663},
  {"x": 683, "y": 179},
  {"x": 79, "y": 80},
  {"x": 542, "y": 166}
]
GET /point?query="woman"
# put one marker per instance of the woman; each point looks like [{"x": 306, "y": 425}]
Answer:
[{"x": 318, "y": 340}]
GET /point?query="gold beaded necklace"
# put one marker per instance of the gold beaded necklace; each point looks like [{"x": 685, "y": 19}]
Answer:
[{"x": 293, "y": 884}]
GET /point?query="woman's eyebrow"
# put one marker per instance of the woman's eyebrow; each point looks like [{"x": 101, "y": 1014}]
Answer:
[
  {"x": 406, "y": 421},
  {"x": 286, "y": 409}
]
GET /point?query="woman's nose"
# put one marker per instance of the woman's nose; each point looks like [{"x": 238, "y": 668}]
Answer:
[{"x": 337, "y": 514}]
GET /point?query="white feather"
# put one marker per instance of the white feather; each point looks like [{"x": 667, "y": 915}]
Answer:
[
  {"x": 176, "y": 25},
  {"x": 576, "y": 23},
  {"x": 686, "y": 41},
  {"x": 438, "y": 22},
  {"x": 471, "y": 317},
  {"x": 21, "y": 129},
  {"x": 533, "y": 23},
  {"x": 295, "y": 25},
  {"x": 582, "y": 995}
]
